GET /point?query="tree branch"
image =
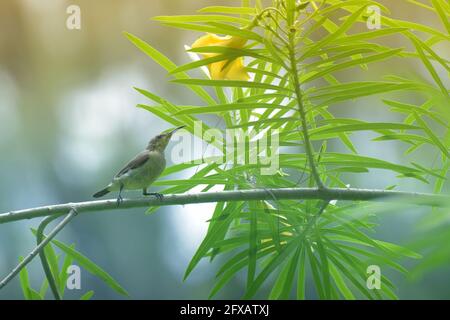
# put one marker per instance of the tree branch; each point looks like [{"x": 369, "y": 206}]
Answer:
[
  {"x": 238, "y": 195},
  {"x": 39, "y": 248}
]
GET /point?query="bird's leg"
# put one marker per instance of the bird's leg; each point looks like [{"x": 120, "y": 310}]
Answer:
[
  {"x": 119, "y": 198},
  {"x": 156, "y": 194},
  {"x": 160, "y": 196}
]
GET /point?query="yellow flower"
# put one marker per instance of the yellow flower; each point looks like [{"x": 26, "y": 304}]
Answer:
[{"x": 223, "y": 70}]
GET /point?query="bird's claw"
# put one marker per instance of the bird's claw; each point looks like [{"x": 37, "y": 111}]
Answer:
[
  {"x": 159, "y": 196},
  {"x": 119, "y": 200}
]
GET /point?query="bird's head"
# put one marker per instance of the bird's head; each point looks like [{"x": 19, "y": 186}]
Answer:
[{"x": 159, "y": 143}]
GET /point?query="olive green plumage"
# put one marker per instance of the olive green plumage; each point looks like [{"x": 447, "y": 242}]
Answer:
[{"x": 141, "y": 171}]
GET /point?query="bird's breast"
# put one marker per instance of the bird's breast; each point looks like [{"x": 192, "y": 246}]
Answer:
[{"x": 155, "y": 165}]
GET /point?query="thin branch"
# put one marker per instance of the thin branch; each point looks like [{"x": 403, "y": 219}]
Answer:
[
  {"x": 301, "y": 108},
  {"x": 38, "y": 248},
  {"x": 349, "y": 194}
]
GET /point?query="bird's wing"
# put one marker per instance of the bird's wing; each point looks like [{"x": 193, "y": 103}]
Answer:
[{"x": 134, "y": 163}]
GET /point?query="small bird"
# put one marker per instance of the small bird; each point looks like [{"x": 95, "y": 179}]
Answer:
[{"x": 142, "y": 170}]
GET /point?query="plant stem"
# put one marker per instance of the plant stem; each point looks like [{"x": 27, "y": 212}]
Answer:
[
  {"x": 348, "y": 194},
  {"x": 39, "y": 248},
  {"x": 45, "y": 265},
  {"x": 301, "y": 108}
]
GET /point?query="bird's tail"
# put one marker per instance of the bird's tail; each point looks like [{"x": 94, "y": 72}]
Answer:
[{"x": 101, "y": 193}]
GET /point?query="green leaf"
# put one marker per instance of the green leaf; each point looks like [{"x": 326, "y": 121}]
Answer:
[
  {"x": 363, "y": 127},
  {"x": 216, "y": 27},
  {"x": 419, "y": 45},
  {"x": 167, "y": 64},
  {"x": 340, "y": 283},
  {"x": 430, "y": 172},
  {"x": 290, "y": 11},
  {"x": 231, "y": 83},
  {"x": 408, "y": 138},
  {"x": 437, "y": 142},
  {"x": 273, "y": 223},
  {"x": 202, "y": 62},
  {"x": 228, "y": 107},
  {"x": 215, "y": 233},
  {"x": 253, "y": 245},
  {"x": 378, "y": 258},
  {"x": 349, "y": 271},
  {"x": 87, "y": 296},
  {"x": 230, "y": 10},
  {"x": 414, "y": 26},
  {"x": 283, "y": 285},
  {"x": 408, "y": 108},
  {"x": 35, "y": 295},
  {"x": 314, "y": 265},
  {"x": 324, "y": 268},
  {"x": 225, "y": 53},
  {"x": 63, "y": 275},
  {"x": 25, "y": 282},
  {"x": 161, "y": 114},
  {"x": 44, "y": 288},
  {"x": 261, "y": 73},
  {"x": 200, "y": 18},
  {"x": 53, "y": 263},
  {"x": 346, "y": 160},
  {"x": 259, "y": 122},
  {"x": 342, "y": 92},
  {"x": 273, "y": 264},
  {"x": 194, "y": 182},
  {"x": 28, "y": 292},
  {"x": 301, "y": 278},
  {"x": 332, "y": 36},
  {"x": 91, "y": 267},
  {"x": 355, "y": 62},
  {"x": 399, "y": 250},
  {"x": 235, "y": 264},
  {"x": 440, "y": 11},
  {"x": 370, "y": 35}
]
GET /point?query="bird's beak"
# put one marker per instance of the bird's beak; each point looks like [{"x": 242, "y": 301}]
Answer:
[{"x": 175, "y": 130}]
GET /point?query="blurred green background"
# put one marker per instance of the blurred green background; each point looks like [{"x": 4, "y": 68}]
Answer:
[{"x": 68, "y": 121}]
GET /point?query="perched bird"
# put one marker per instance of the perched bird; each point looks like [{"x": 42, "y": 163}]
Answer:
[{"x": 142, "y": 170}]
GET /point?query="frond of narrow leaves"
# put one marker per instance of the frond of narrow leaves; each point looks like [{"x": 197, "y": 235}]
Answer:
[
  {"x": 288, "y": 238},
  {"x": 59, "y": 264}
]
